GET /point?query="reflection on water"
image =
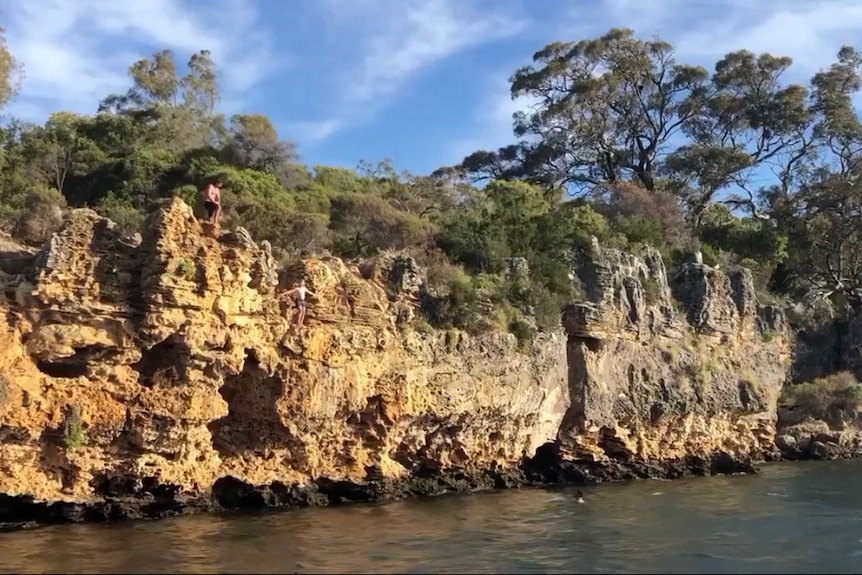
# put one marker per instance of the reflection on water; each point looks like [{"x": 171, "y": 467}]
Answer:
[{"x": 800, "y": 518}]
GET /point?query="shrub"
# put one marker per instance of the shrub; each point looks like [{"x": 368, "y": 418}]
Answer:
[
  {"x": 72, "y": 428},
  {"x": 814, "y": 398}
]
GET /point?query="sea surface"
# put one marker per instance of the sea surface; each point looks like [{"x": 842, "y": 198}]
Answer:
[{"x": 791, "y": 518}]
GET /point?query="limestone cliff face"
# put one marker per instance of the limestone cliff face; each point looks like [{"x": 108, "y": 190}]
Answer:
[
  {"x": 829, "y": 427},
  {"x": 686, "y": 369},
  {"x": 178, "y": 359},
  {"x": 147, "y": 377}
]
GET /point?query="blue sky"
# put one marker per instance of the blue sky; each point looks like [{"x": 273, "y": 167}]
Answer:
[{"x": 422, "y": 82}]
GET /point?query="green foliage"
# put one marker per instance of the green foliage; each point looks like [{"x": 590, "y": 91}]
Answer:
[
  {"x": 815, "y": 398},
  {"x": 186, "y": 269},
  {"x": 72, "y": 430},
  {"x": 627, "y": 145},
  {"x": 121, "y": 211}
]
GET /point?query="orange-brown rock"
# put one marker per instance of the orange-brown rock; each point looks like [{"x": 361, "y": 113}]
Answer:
[
  {"x": 180, "y": 360},
  {"x": 684, "y": 369},
  {"x": 147, "y": 377}
]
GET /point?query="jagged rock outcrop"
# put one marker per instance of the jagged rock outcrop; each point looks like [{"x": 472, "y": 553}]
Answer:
[
  {"x": 827, "y": 424},
  {"x": 827, "y": 362},
  {"x": 193, "y": 389},
  {"x": 668, "y": 371},
  {"x": 146, "y": 378}
]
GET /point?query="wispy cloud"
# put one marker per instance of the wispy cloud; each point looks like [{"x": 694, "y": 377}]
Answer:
[
  {"x": 702, "y": 30},
  {"x": 391, "y": 42},
  {"x": 75, "y": 52},
  {"x": 809, "y": 32}
]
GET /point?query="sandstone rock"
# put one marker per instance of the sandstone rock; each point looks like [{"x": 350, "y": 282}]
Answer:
[
  {"x": 194, "y": 391},
  {"x": 661, "y": 374},
  {"x": 191, "y": 383}
]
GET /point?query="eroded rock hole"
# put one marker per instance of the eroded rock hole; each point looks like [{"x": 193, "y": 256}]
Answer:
[
  {"x": 613, "y": 446},
  {"x": 593, "y": 344},
  {"x": 76, "y": 365},
  {"x": 253, "y": 421},
  {"x": 164, "y": 364},
  {"x": 746, "y": 396}
]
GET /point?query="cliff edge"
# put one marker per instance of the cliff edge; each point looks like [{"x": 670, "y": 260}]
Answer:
[
  {"x": 155, "y": 376},
  {"x": 669, "y": 375}
]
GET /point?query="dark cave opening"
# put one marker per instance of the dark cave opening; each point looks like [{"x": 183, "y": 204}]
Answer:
[
  {"x": 76, "y": 365},
  {"x": 62, "y": 368},
  {"x": 253, "y": 421},
  {"x": 164, "y": 364}
]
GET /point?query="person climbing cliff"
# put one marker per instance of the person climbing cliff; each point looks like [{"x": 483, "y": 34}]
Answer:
[
  {"x": 299, "y": 292},
  {"x": 211, "y": 197}
]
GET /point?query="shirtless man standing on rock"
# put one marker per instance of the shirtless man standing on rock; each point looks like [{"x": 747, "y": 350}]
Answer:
[
  {"x": 300, "y": 291},
  {"x": 211, "y": 196}
]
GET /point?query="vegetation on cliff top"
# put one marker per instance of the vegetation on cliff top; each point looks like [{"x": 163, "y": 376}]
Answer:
[{"x": 622, "y": 142}]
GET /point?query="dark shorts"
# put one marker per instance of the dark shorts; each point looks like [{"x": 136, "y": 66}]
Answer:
[
  {"x": 210, "y": 207},
  {"x": 300, "y": 304}
]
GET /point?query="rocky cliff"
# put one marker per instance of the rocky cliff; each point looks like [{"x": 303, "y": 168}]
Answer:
[
  {"x": 150, "y": 376},
  {"x": 669, "y": 375}
]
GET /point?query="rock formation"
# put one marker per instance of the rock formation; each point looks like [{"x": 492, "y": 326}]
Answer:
[
  {"x": 152, "y": 376},
  {"x": 667, "y": 374},
  {"x": 822, "y": 417}
]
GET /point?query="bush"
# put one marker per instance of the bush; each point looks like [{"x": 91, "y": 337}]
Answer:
[
  {"x": 39, "y": 214},
  {"x": 451, "y": 298},
  {"x": 121, "y": 211},
  {"x": 523, "y": 331},
  {"x": 815, "y": 398},
  {"x": 72, "y": 429}
]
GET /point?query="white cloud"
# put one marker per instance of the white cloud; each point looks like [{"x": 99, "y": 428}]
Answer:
[
  {"x": 310, "y": 132},
  {"x": 75, "y": 52},
  {"x": 809, "y": 32},
  {"x": 702, "y": 31},
  {"x": 397, "y": 40}
]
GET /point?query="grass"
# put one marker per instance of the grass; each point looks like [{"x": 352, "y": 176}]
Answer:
[{"x": 185, "y": 269}]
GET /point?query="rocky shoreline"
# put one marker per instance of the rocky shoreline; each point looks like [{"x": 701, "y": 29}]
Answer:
[
  {"x": 161, "y": 376},
  {"x": 150, "y": 500}
]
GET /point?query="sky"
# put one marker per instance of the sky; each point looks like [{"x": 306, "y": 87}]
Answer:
[{"x": 421, "y": 82}]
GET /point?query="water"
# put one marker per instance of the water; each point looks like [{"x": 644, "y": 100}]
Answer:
[{"x": 793, "y": 518}]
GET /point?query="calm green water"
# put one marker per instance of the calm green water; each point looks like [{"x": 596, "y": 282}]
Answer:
[{"x": 793, "y": 518}]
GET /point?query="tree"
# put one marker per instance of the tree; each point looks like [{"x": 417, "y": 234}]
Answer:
[
  {"x": 59, "y": 149},
  {"x": 837, "y": 127},
  {"x": 606, "y": 110},
  {"x": 254, "y": 143},
  {"x": 826, "y": 246},
  {"x": 11, "y": 72},
  {"x": 178, "y": 110},
  {"x": 743, "y": 119}
]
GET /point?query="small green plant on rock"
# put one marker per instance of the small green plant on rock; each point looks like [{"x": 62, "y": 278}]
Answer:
[
  {"x": 422, "y": 326},
  {"x": 5, "y": 393},
  {"x": 72, "y": 429},
  {"x": 523, "y": 331},
  {"x": 186, "y": 269},
  {"x": 768, "y": 336},
  {"x": 652, "y": 291}
]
